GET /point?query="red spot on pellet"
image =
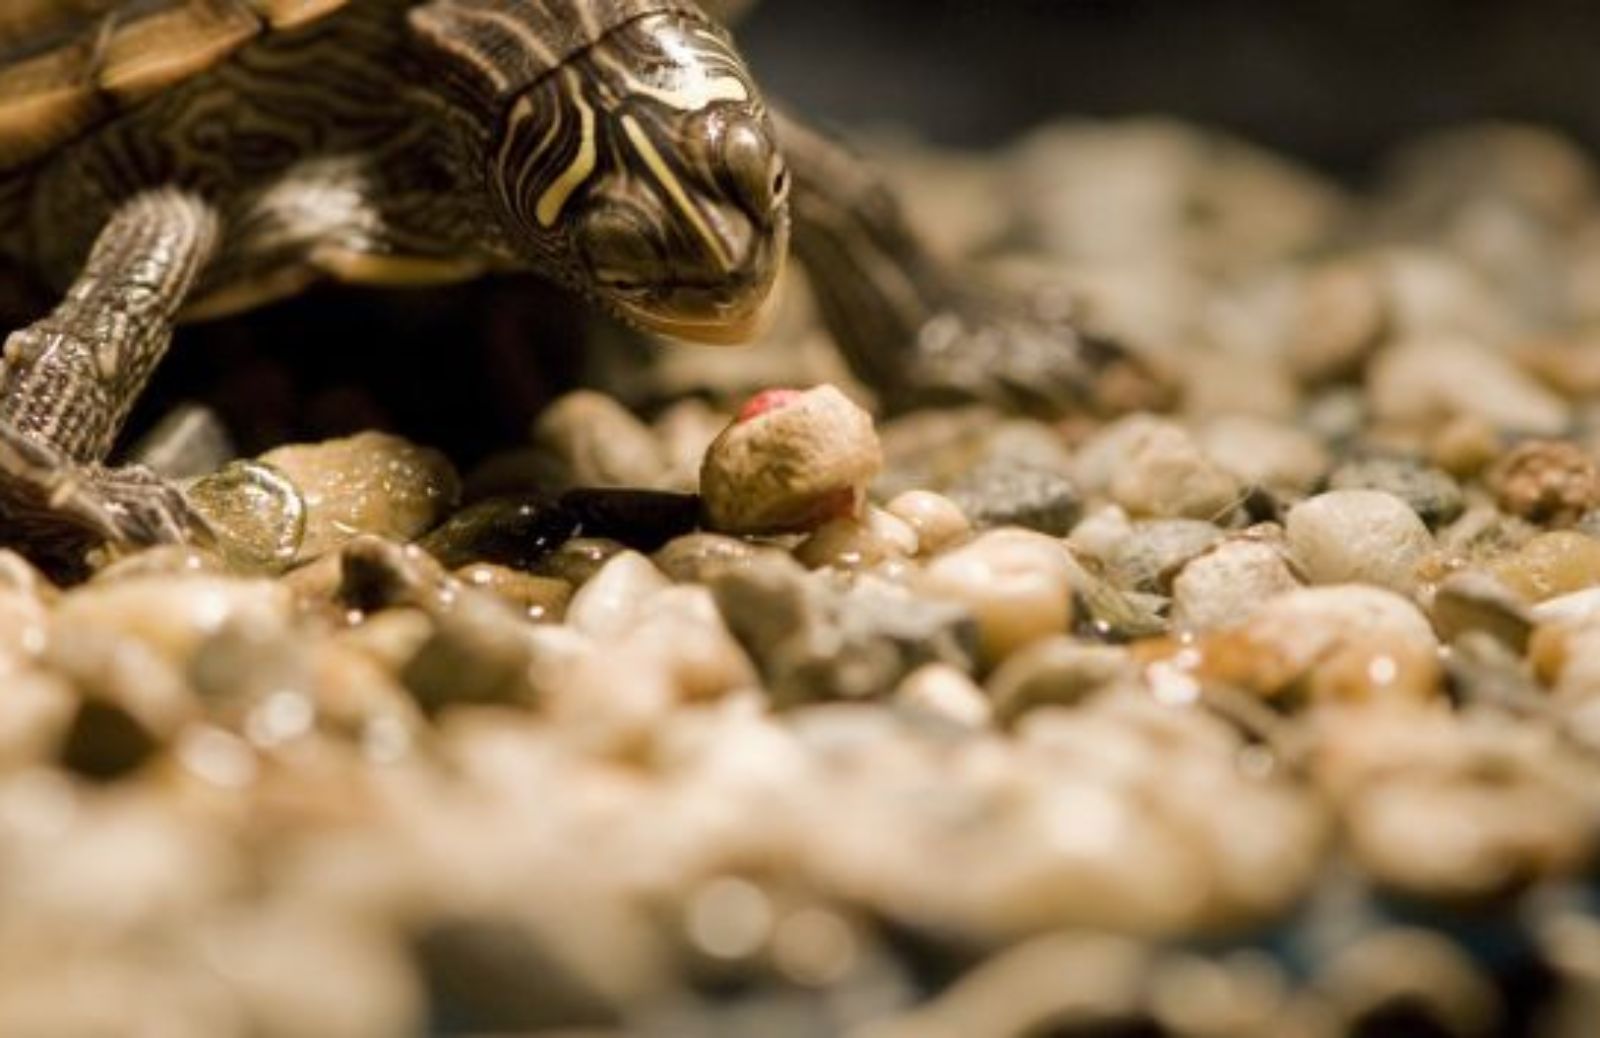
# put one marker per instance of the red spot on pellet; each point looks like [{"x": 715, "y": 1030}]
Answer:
[{"x": 767, "y": 400}]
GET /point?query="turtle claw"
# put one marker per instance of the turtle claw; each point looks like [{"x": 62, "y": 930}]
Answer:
[
  {"x": 48, "y": 500},
  {"x": 1021, "y": 352}
]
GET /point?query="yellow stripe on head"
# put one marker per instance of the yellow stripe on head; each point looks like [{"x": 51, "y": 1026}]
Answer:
[
  {"x": 579, "y": 170},
  {"x": 669, "y": 181}
]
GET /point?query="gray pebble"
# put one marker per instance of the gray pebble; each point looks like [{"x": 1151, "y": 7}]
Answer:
[{"x": 1430, "y": 492}]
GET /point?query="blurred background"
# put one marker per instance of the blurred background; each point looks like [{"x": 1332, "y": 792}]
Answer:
[{"x": 1334, "y": 81}]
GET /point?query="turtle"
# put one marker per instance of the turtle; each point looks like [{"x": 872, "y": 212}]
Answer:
[{"x": 172, "y": 160}]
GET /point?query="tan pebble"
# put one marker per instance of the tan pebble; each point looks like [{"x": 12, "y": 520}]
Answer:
[
  {"x": 1464, "y": 446},
  {"x": 1340, "y": 317},
  {"x": 1264, "y": 453},
  {"x": 1551, "y": 564},
  {"x": 577, "y": 560},
  {"x": 1418, "y": 972},
  {"x": 1569, "y": 364},
  {"x": 24, "y": 628},
  {"x": 543, "y": 599},
  {"x": 34, "y": 713},
  {"x": 792, "y": 466},
  {"x": 1217, "y": 382},
  {"x": 681, "y": 632},
  {"x": 368, "y": 483},
  {"x": 1102, "y": 532},
  {"x": 172, "y": 615},
  {"x": 1016, "y": 583},
  {"x": 1340, "y": 643},
  {"x": 1424, "y": 381},
  {"x": 686, "y": 431},
  {"x": 1058, "y": 671},
  {"x": 391, "y": 637},
  {"x": 941, "y": 691},
  {"x": 1165, "y": 474},
  {"x": 294, "y": 969},
  {"x": 608, "y": 603},
  {"x": 858, "y": 543},
  {"x": 165, "y": 560},
  {"x": 937, "y": 520},
  {"x": 1448, "y": 805},
  {"x": 1228, "y": 583},
  {"x": 1358, "y": 536},
  {"x": 599, "y": 443},
  {"x": 609, "y": 701},
  {"x": 1546, "y": 481},
  {"x": 1471, "y": 601}
]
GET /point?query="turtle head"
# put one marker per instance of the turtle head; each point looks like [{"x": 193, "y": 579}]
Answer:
[{"x": 644, "y": 171}]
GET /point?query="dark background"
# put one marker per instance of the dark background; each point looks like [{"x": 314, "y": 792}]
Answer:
[{"x": 1335, "y": 81}]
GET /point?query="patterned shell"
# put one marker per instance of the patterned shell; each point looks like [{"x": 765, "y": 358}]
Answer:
[{"x": 67, "y": 64}]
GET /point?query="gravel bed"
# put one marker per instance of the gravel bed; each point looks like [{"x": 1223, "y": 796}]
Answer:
[{"x": 1273, "y": 714}]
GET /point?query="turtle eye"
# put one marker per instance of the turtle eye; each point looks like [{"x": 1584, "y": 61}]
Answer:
[{"x": 754, "y": 167}]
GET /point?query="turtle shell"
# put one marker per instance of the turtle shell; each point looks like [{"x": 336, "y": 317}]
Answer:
[{"x": 65, "y": 65}]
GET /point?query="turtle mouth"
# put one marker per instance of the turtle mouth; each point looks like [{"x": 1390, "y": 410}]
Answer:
[{"x": 718, "y": 315}]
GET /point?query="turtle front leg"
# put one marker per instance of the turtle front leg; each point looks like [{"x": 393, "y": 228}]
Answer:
[
  {"x": 68, "y": 381},
  {"x": 921, "y": 333}
]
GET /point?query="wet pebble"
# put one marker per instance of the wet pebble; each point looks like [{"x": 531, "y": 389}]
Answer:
[{"x": 368, "y": 483}]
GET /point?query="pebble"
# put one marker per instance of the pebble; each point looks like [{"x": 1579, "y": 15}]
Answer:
[
  {"x": 697, "y": 557},
  {"x": 1549, "y": 565},
  {"x": 514, "y": 530},
  {"x": 1546, "y": 481},
  {"x": 1263, "y": 453},
  {"x": 1340, "y": 644},
  {"x": 938, "y": 521},
  {"x": 607, "y": 604},
  {"x": 943, "y": 693},
  {"x": 1341, "y": 315},
  {"x": 792, "y": 460},
  {"x": 1427, "y": 381},
  {"x": 257, "y": 514},
  {"x": 1155, "y": 549},
  {"x": 1153, "y": 467},
  {"x": 173, "y": 616},
  {"x": 1358, "y": 536},
  {"x": 368, "y": 483},
  {"x": 541, "y": 599},
  {"x": 1004, "y": 491},
  {"x": 1058, "y": 671},
  {"x": 1396, "y": 777},
  {"x": 596, "y": 442},
  {"x": 1016, "y": 584},
  {"x": 858, "y": 542},
  {"x": 1428, "y": 491},
  {"x": 1226, "y": 584},
  {"x": 812, "y": 642}
]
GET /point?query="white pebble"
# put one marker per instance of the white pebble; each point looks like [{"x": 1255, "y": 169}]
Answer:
[
  {"x": 1017, "y": 584},
  {"x": 608, "y": 602},
  {"x": 1358, "y": 537},
  {"x": 1228, "y": 583}
]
